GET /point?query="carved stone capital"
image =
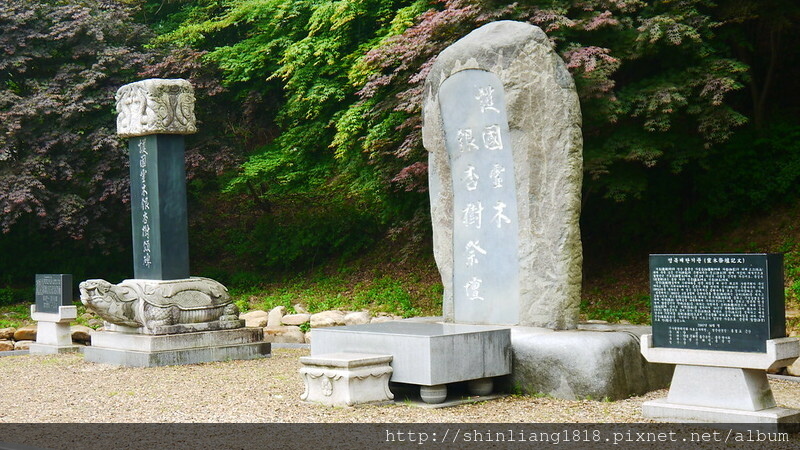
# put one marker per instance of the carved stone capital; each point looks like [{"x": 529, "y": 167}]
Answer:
[{"x": 155, "y": 106}]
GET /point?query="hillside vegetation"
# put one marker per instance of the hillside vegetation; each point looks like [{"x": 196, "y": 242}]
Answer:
[{"x": 308, "y": 178}]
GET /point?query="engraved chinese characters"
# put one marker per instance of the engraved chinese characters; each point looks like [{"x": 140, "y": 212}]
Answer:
[
  {"x": 52, "y": 292},
  {"x": 485, "y": 235},
  {"x": 158, "y": 207},
  {"x": 155, "y": 114},
  {"x": 728, "y": 302},
  {"x": 146, "y": 249},
  {"x": 505, "y": 171}
]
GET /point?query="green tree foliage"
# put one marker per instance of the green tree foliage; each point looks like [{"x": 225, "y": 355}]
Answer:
[
  {"x": 296, "y": 56},
  {"x": 653, "y": 81},
  {"x": 61, "y": 166},
  {"x": 287, "y": 65},
  {"x": 336, "y": 87}
]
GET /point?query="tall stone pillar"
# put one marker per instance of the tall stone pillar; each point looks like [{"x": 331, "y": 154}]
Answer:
[
  {"x": 162, "y": 298},
  {"x": 155, "y": 114},
  {"x": 163, "y": 316}
]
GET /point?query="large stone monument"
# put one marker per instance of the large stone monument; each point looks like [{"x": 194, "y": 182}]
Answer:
[
  {"x": 502, "y": 125},
  {"x": 721, "y": 319},
  {"x": 163, "y": 316}
]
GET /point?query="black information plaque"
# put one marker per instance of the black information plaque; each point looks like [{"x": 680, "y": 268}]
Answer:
[
  {"x": 728, "y": 302},
  {"x": 52, "y": 291}
]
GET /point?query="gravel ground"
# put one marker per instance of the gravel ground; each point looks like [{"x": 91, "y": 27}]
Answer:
[{"x": 64, "y": 388}]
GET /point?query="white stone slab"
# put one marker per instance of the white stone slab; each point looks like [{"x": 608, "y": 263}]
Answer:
[
  {"x": 780, "y": 353},
  {"x": 346, "y": 360},
  {"x": 130, "y": 358},
  {"x": 156, "y": 343},
  {"x": 64, "y": 314},
  {"x": 139, "y": 350},
  {"x": 425, "y": 353},
  {"x": 663, "y": 410}
]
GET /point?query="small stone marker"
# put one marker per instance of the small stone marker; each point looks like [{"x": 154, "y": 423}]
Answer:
[
  {"x": 720, "y": 319},
  {"x": 53, "y": 310},
  {"x": 53, "y": 291},
  {"x": 502, "y": 125}
]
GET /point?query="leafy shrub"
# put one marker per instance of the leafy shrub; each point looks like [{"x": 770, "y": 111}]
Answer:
[
  {"x": 307, "y": 237},
  {"x": 390, "y": 295},
  {"x": 753, "y": 170},
  {"x": 7, "y": 296}
]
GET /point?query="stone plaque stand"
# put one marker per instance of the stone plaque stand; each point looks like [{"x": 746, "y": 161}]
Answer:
[
  {"x": 53, "y": 333},
  {"x": 721, "y": 386},
  {"x": 163, "y": 316},
  {"x": 346, "y": 379}
]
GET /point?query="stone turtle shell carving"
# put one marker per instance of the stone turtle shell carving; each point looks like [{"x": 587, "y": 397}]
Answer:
[{"x": 183, "y": 294}]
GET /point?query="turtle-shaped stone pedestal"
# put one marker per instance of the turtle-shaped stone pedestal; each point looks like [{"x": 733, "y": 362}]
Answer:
[
  {"x": 162, "y": 306},
  {"x": 168, "y": 322}
]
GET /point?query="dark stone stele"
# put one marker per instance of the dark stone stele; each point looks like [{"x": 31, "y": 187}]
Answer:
[
  {"x": 52, "y": 291},
  {"x": 159, "y": 178},
  {"x": 727, "y": 302}
]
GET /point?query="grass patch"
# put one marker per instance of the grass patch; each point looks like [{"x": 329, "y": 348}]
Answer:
[
  {"x": 631, "y": 308},
  {"x": 15, "y": 316},
  {"x": 402, "y": 296}
]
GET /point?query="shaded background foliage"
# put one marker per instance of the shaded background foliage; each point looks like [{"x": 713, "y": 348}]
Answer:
[{"x": 310, "y": 142}]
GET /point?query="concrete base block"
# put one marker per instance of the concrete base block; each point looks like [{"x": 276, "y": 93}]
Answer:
[
  {"x": 666, "y": 411},
  {"x": 143, "y": 350},
  {"x": 346, "y": 379},
  {"x": 46, "y": 349},
  {"x": 53, "y": 333},
  {"x": 596, "y": 363},
  {"x": 721, "y": 387}
]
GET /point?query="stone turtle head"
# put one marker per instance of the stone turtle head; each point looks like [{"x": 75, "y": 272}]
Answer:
[
  {"x": 109, "y": 302},
  {"x": 93, "y": 292}
]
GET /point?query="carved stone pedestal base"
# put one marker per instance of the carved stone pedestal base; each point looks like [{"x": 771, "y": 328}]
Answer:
[
  {"x": 141, "y": 350},
  {"x": 346, "y": 379}
]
